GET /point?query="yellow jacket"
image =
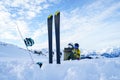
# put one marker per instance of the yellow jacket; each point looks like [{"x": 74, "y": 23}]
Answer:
[{"x": 76, "y": 53}]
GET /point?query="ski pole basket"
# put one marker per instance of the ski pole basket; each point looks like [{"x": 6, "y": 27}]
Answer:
[{"x": 28, "y": 41}]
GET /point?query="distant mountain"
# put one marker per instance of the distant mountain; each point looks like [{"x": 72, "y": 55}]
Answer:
[
  {"x": 106, "y": 53},
  {"x": 111, "y": 53}
]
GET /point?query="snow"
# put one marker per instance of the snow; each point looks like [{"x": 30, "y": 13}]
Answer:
[{"x": 14, "y": 68}]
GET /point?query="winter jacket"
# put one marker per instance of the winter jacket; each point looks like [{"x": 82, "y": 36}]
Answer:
[{"x": 76, "y": 53}]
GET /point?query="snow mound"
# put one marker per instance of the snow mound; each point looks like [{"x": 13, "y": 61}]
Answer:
[
  {"x": 9, "y": 50},
  {"x": 94, "y": 69}
]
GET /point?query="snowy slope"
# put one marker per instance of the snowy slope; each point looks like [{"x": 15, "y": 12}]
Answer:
[
  {"x": 9, "y": 50},
  {"x": 12, "y": 52},
  {"x": 102, "y": 68}
]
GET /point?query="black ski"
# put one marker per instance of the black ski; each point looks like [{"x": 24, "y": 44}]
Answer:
[
  {"x": 57, "y": 34},
  {"x": 49, "y": 23}
]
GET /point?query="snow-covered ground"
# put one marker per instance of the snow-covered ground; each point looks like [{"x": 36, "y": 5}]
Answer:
[{"x": 15, "y": 64}]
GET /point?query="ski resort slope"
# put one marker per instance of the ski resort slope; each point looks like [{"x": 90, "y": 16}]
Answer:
[{"x": 15, "y": 68}]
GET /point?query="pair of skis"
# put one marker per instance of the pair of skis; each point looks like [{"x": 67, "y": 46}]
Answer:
[{"x": 57, "y": 35}]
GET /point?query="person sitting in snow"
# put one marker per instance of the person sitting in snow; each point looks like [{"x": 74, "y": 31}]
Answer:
[
  {"x": 75, "y": 52},
  {"x": 72, "y": 52}
]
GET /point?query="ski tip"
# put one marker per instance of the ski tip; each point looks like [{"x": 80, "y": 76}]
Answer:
[
  {"x": 50, "y": 16},
  {"x": 57, "y": 12}
]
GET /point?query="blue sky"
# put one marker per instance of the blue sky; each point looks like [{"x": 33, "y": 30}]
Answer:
[{"x": 94, "y": 24}]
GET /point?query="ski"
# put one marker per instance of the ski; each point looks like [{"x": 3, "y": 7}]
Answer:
[
  {"x": 49, "y": 23},
  {"x": 57, "y": 34}
]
